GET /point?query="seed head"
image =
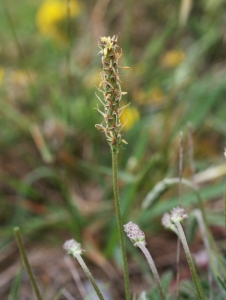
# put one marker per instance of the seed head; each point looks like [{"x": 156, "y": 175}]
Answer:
[
  {"x": 72, "y": 247},
  {"x": 178, "y": 214},
  {"x": 166, "y": 220},
  {"x": 111, "y": 90},
  {"x": 134, "y": 233}
]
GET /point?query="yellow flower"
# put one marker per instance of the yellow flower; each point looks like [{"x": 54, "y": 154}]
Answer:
[
  {"x": 2, "y": 73},
  {"x": 173, "y": 58},
  {"x": 129, "y": 117},
  {"x": 52, "y": 12}
]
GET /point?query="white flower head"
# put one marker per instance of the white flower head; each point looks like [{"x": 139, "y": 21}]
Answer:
[
  {"x": 177, "y": 214},
  {"x": 134, "y": 233},
  {"x": 166, "y": 222},
  {"x": 72, "y": 247}
]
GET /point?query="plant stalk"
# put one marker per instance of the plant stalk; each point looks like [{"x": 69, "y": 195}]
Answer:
[
  {"x": 114, "y": 151},
  {"x": 195, "y": 278},
  {"x": 27, "y": 266},
  {"x": 153, "y": 268},
  {"x": 89, "y": 275}
]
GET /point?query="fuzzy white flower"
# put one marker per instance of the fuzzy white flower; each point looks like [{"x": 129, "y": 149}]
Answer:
[
  {"x": 71, "y": 246},
  {"x": 134, "y": 233}
]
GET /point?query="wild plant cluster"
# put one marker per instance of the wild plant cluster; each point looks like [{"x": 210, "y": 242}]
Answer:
[
  {"x": 57, "y": 182},
  {"x": 111, "y": 109}
]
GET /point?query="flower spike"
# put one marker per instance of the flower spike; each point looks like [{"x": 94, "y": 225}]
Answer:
[{"x": 111, "y": 89}]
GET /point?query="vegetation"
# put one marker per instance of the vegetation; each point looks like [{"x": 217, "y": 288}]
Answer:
[{"x": 56, "y": 175}]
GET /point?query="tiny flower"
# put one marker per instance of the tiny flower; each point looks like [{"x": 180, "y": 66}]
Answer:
[
  {"x": 166, "y": 222},
  {"x": 178, "y": 214},
  {"x": 168, "y": 219},
  {"x": 134, "y": 233},
  {"x": 72, "y": 247}
]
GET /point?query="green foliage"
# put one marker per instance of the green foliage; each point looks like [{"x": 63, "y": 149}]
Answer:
[
  {"x": 51, "y": 153},
  {"x": 15, "y": 287}
]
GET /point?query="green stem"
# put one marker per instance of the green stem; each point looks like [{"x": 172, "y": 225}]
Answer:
[
  {"x": 21, "y": 53},
  {"x": 203, "y": 230},
  {"x": 27, "y": 266},
  {"x": 69, "y": 46},
  {"x": 162, "y": 186},
  {"x": 153, "y": 268},
  {"x": 119, "y": 219},
  {"x": 13, "y": 29},
  {"x": 190, "y": 261},
  {"x": 178, "y": 270},
  {"x": 89, "y": 275},
  {"x": 225, "y": 207}
]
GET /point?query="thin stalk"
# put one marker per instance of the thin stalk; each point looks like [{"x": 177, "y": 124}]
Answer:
[
  {"x": 27, "y": 266},
  {"x": 195, "y": 278},
  {"x": 153, "y": 268},
  {"x": 164, "y": 185},
  {"x": 178, "y": 269},
  {"x": 89, "y": 275},
  {"x": 204, "y": 235},
  {"x": 69, "y": 46},
  {"x": 180, "y": 169},
  {"x": 18, "y": 45},
  {"x": 13, "y": 30},
  {"x": 75, "y": 276},
  {"x": 201, "y": 216},
  {"x": 119, "y": 219},
  {"x": 225, "y": 207},
  {"x": 210, "y": 236},
  {"x": 180, "y": 204}
]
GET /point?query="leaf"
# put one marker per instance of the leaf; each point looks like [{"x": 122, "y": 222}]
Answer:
[
  {"x": 222, "y": 283},
  {"x": 15, "y": 287}
]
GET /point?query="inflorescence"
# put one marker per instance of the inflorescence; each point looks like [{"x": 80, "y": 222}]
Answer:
[
  {"x": 72, "y": 247},
  {"x": 134, "y": 233},
  {"x": 177, "y": 214},
  {"x": 112, "y": 93}
]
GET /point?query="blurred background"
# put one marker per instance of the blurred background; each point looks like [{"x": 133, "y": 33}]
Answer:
[{"x": 55, "y": 166}]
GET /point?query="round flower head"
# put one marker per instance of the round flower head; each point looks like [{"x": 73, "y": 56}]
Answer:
[
  {"x": 72, "y": 247},
  {"x": 178, "y": 214},
  {"x": 134, "y": 233},
  {"x": 166, "y": 222}
]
